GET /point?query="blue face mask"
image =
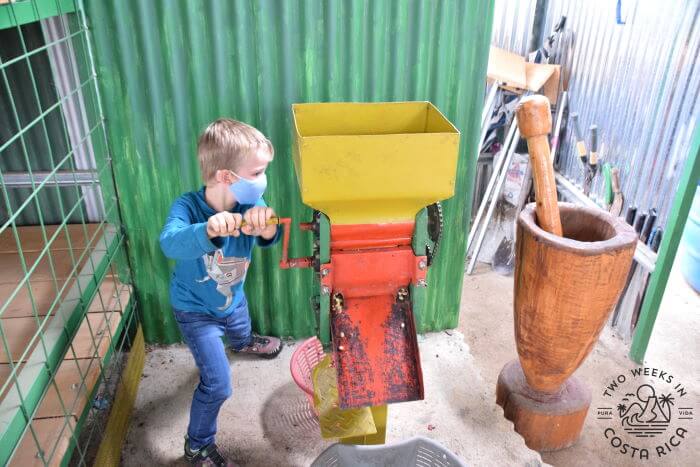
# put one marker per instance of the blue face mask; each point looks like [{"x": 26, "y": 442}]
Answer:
[{"x": 248, "y": 191}]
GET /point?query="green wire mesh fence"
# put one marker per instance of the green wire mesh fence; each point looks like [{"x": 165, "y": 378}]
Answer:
[{"x": 67, "y": 315}]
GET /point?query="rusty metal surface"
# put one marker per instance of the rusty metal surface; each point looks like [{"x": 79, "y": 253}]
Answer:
[
  {"x": 372, "y": 324},
  {"x": 376, "y": 355}
]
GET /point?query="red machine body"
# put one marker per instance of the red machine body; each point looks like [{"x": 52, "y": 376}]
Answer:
[{"x": 369, "y": 277}]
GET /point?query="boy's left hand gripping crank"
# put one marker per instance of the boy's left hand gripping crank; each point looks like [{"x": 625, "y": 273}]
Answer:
[{"x": 224, "y": 224}]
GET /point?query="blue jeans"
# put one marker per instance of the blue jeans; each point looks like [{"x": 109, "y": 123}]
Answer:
[{"x": 202, "y": 333}]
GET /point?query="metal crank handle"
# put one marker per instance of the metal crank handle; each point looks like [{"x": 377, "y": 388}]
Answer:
[{"x": 286, "y": 262}]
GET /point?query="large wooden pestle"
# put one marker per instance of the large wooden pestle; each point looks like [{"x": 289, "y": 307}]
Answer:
[{"x": 535, "y": 123}]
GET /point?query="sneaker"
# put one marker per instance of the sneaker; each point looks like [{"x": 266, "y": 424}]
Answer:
[
  {"x": 262, "y": 346},
  {"x": 206, "y": 456}
]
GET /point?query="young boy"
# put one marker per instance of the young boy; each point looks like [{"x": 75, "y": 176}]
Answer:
[{"x": 211, "y": 233}]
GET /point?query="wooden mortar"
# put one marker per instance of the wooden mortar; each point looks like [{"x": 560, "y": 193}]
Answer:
[{"x": 565, "y": 288}]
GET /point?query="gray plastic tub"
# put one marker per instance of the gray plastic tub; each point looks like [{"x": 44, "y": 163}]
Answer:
[{"x": 418, "y": 451}]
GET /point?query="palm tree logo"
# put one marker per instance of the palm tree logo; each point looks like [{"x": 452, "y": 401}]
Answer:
[
  {"x": 643, "y": 414},
  {"x": 665, "y": 403}
]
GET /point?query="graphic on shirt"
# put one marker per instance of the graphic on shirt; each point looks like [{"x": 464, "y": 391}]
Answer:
[{"x": 226, "y": 272}]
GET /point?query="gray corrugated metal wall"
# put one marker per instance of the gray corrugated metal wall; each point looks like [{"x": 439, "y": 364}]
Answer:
[
  {"x": 638, "y": 81},
  {"x": 512, "y": 24}
]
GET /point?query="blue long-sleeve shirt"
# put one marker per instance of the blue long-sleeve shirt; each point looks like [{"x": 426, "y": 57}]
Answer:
[{"x": 209, "y": 273}]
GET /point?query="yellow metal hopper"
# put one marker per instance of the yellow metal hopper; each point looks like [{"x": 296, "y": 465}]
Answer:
[{"x": 371, "y": 163}]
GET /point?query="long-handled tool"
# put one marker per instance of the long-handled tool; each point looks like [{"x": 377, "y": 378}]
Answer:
[
  {"x": 639, "y": 222},
  {"x": 620, "y": 313},
  {"x": 648, "y": 225},
  {"x": 618, "y": 200},
  {"x": 497, "y": 166},
  {"x": 503, "y": 261},
  {"x": 491, "y": 196},
  {"x": 562, "y": 109},
  {"x": 654, "y": 241},
  {"x": 608, "y": 193},
  {"x": 592, "y": 168},
  {"x": 580, "y": 141},
  {"x": 633, "y": 293},
  {"x": 486, "y": 114},
  {"x": 593, "y": 157}
]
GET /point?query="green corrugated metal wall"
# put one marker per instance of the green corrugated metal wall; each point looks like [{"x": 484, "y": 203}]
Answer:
[{"x": 167, "y": 68}]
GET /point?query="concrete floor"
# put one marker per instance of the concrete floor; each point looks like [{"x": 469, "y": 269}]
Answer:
[
  {"x": 487, "y": 323},
  {"x": 268, "y": 421}
]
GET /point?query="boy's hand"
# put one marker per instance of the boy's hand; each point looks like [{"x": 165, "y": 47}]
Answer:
[
  {"x": 256, "y": 222},
  {"x": 224, "y": 224}
]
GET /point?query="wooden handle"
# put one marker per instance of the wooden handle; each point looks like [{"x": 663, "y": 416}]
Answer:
[
  {"x": 580, "y": 143},
  {"x": 593, "y": 158},
  {"x": 270, "y": 221},
  {"x": 535, "y": 123},
  {"x": 615, "y": 173}
]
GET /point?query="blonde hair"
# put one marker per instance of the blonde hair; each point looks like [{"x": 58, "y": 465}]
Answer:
[{"x": 225, "y": 144}]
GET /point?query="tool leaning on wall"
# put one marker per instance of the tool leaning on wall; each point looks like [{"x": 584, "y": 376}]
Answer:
[{"x": 509, "y": 187}]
